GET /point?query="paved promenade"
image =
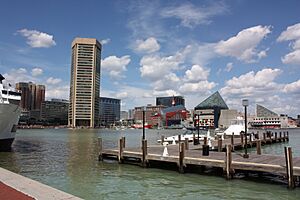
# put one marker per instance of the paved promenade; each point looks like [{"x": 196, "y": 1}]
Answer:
[{"x": 16, "y": 187}]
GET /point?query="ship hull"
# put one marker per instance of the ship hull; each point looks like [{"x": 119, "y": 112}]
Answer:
[{"x": 9, "y": 117}]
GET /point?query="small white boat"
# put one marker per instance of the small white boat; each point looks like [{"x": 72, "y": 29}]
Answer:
[{"x": 189, "y": 135}]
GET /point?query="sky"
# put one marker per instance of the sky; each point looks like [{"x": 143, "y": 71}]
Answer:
[{"x": 241, "y": 48}]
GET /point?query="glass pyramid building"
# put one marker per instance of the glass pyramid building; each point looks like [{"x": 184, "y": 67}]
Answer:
[
  {"x": 213, "y": 101},
  {"x": 264, "y": 112}
]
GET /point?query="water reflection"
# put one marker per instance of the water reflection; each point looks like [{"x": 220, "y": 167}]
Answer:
[{"x": 67, "y": 160}]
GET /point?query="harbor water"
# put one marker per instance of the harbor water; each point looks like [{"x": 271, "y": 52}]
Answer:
[{"x": 68, "y": 160}]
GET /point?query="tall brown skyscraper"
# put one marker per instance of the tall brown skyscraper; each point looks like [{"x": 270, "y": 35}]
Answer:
[
  {"x": 32, "y": 95},
  {"x": 85, "y": 83}
]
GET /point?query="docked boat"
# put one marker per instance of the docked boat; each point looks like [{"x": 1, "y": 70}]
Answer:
[
  {"x": 140, "y": 126},
  {"x": 9, "y": 114},
  {"x": 235, "y": 128},
  {"x": 189, "y": 135}
]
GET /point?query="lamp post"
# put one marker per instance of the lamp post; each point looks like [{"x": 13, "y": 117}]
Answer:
[
  {"x": 198, "y": 117},
  {"x": 245, "y": 103},
  {"x": 143, "y": 109}
]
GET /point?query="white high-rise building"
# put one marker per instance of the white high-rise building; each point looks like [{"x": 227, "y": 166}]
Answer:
[{"x": 85, "y": 83}]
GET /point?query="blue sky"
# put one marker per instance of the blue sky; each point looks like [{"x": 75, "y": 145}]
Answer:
[{"x": 243, "y": 49}]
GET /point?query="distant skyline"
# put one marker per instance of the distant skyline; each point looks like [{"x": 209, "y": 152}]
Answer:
[{"x": 242, "y": 48}]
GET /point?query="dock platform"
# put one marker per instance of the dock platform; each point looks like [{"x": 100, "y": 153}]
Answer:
[{"x": 184, "y": 155}]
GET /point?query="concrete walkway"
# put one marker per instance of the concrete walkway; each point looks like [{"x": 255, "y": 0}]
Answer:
[{"x": 29, "y": 187}]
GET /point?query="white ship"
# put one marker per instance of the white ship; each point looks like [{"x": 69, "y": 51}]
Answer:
[{"x": 9, "y": 114}]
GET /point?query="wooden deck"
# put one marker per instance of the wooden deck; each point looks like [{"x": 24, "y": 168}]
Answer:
[{"x": 186, "y": 154}]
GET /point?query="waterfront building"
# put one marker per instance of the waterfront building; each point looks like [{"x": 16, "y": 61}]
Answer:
[
  {"x": 55, "y": 112},
  {"x": 226, "y": 118},
  {"x": 131, "y": 114},
  {"x": 109, "y": 111},
  {"x": 266, "y": 118},
  {"x": 208, "y": 112},
  {"x": 170, "y": 101},
  {"x": 174, "y": 116},
  {"x": 124, "y": 115},
  {"x": 153, "y": 116},
  {"x": 32, "y": 95},
  {"x": 85, "y": 83}
]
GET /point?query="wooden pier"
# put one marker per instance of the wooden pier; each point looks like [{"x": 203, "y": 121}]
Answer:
[{"x": 186, "y": 155}]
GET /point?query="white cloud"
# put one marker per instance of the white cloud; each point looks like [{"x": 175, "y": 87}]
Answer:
[
  {"x": 18, "y": 75},
  {"x": 168, "y": 82},
  {"x": 37, "y": 39},
  {"x": 53, "y": 81},
  {"x": 191, "y": 15},
  {"x": 292, "y": 87},
  {"x": 201, "y": 86},
  {"x": 292, "y": 33},
  {"x": 144, "y": 21},
  {"x": 260, "y": 87},
  {"x": 165, "y": 93},
  {"x": 229, "y": 67},
  {"x": 292, "y": 58},
  {"x": 122, "y": 95},
  {"x": 155, "y": 67},
  {"x": 243, "y": 46},
  {"x": 196, "y": 73},
  {"x": 36, "y": 71},
  {"x": 59, "y": 92},
  {"x": 105, "y": 41},
  {"x": 149, "y": 45},
  {"x": 115, "y": 66}
]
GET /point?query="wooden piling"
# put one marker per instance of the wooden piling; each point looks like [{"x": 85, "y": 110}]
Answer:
[
  {"x": 280, "y": 136},
  {"x": 289, "y": 167},
  {"x": 219, "y": 144},
  {"x": 123, "y": 142},
  {"x": 100, "y": 158},
  {"x": 162, "y": 138},
  {"x": 242, "y": 139},
  {"x": 284, "y": 137},
  {"x": 232, "y": 141},
  {"x": 264, "y": 137},
  {"x": 205, "y": 140},
  {"x": 181, "y": 157},
  {"x": 258, "y": 147},
  {"x": 144, "y": 153},
  {"x": 186, "y": 143},
  {"x": 275, "y": 137},
  {"x": 179, "y": 139},
  {"x": 194, "y": 138},
  {"x": 120, "y": 156},
  {"x": 228, "y": 162},
  {"x": 287, "y": 136}
]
